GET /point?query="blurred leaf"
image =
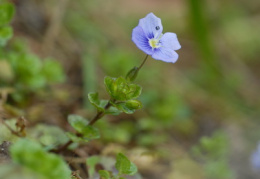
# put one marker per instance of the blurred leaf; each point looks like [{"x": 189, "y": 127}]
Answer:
[
  {"x": 13, "y": 171},
  {"x": 104, "y": 174},
  {"x": 122, "y": 90},
  {"x": 91, "y": 163},
  {"x": 27, "y": 68},
  {"x": 34, "y": 82},
  {"x": 90, "y": 132},
  {"x": 5, "y": 34},
  {"x": 218, "y": 170},
  {"x": 36, "y": 159},
  {"x": 77, "y": 122},
  {"x": 76, "y": 138},
  {"x": 30, "y": 72},
  {"x": 25, "y": 64},
  {"x": 214, "y": 147},
  {"x": 121, "y": 133},
  {"x": 213, "y": 151},
  {"x": 125, "y": 166},
  {"x": 6, "y": 13},
  {"x": 152, "y": 139},
  {"x": 53, "y": 71},
  {"x": 147, "y": 124},
  {"x": 48, "y": 135},
  {"x": 85, "y": 131},
  {"x": 19, "y": 45}
]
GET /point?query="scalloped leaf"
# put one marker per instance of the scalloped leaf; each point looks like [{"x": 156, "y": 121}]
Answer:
[
  {"x": 120, "y": 89},
  {"x": 124, "y": 165}
]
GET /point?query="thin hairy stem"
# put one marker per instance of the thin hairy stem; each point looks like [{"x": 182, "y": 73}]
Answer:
[
  {"x": 143, "y": 62},
  {"x": 98, "y": 116}
]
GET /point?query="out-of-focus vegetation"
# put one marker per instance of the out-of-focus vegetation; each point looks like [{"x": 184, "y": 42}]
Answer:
[{"x": 199, "y": 116}]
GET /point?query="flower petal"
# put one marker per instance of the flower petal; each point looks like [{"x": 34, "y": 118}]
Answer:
[
  {"x": 169, "y": 40},
  {"x": 141, "y": 41},
  {"x": 165, "y": 54},
  {"x": 151, "y": 25}
]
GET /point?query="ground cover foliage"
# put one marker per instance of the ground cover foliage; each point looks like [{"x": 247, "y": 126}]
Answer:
[{"x": 63, "y": 66}]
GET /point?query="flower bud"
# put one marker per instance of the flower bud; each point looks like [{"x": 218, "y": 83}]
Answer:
[
  {"x": 133, "y": 104},
  {"x": 132, "y": 74}
]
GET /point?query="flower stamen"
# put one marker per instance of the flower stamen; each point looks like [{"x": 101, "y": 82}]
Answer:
[{"x": 154, "y": 43}]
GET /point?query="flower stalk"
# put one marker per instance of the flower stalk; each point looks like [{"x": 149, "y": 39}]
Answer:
[{"x": 132, "y": 74}]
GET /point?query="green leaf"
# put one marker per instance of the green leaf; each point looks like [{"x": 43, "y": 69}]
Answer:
[
  {"x": 85, "y": 131},
  {"x": 134, "y": 91},
  {"x": 110, "y": 86},
  {"x": 27, "y": 65},
  {"x": 94, "y": 100},
  {"x": 125, "y": 166},
  {"x": 6, "y": 33},
  {"x": 90, "y": 132},
  {"x": 128, "y": 107},
  {"x": 76, "y": 138},
  {"x": 34, "y": 82},
  {"x": 27, "y": 69},
  {"x": 9, "y": 170},
  {"x": 53, "y": 71},
  {"x": 77, "y": 122},
  {"x": 100, "y": 104},
  {"x": 104, "y": 174},
  {"x": 113, "y": 111},
  {"x": 6, "y": 13},
  {"x": 91, "y": 163},
  {"x": 218, "y": 169},
  {"x": 48, "y": 135},
  {"x": 120, "y": 89},
  {"x": 32, "y": 156}
]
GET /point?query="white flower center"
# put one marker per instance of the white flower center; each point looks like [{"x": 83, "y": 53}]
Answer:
[{"x": 154, "y": 43}]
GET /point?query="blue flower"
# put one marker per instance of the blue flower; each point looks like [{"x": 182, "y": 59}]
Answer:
[
  {"x": 148, "y": 37},
  {"x": 255, "y": 158}
]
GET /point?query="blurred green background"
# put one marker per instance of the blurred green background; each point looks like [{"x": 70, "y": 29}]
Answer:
[{"x": 200, "y": 116}]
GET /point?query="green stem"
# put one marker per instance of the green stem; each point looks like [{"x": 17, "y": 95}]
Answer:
[
  {"x": 143, "y": 62},
  {"x": 98, "y": 116}
]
